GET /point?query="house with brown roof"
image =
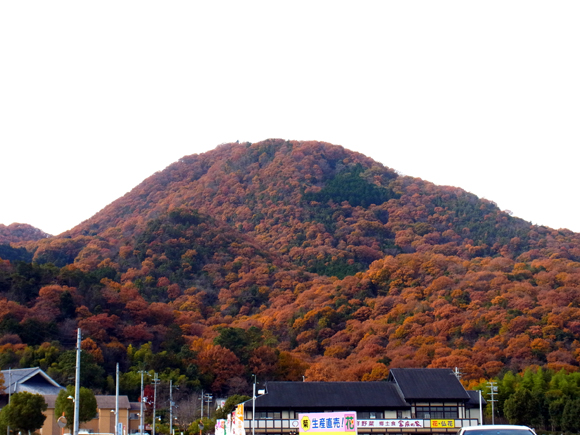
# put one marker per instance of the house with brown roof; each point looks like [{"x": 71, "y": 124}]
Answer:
[{"x": 104, "y": 421}]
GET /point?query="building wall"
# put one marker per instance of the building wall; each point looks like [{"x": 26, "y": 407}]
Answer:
[
  {"x": 402, "y": 421},
  {"x": 50, "y": 426},
  {"x": 103, "y": 423}
]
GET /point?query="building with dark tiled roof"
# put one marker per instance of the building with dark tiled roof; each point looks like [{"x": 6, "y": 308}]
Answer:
[
  {"x": 430, "y": 401},
  {"x": 36, "y": 381},
  {"x": 33, "y": 380}
]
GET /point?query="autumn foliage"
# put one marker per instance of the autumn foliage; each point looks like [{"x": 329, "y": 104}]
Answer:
[{"x": 287, "y": 259}]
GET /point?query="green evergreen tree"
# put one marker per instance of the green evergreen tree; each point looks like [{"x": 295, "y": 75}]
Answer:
[
  {"x": 540, "y": 380},
  {"x": 523, "y": 408},
  {"x": 506, "y": 388},
  {"x": 570, "y": 422},
  {"x": 556, "y": 409},
  {"x": 24, "y": 413},
  {"x": 92, "y": 374},
  {"x": 87, "y": 405},
  {"x": 527, "y": 381},
  {"x": 230, "y": 405}
]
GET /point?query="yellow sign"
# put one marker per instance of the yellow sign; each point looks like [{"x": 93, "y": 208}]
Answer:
[
  {"x": 305, "y": 423},
  {"x": 443, "y": 423},
  {"x": 240, "y": 412}
]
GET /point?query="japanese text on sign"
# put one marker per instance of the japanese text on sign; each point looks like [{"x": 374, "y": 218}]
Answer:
[
  {"x": 443, "y": 423},
  {"x": 328, "y": 423},
  {"x": 390, "y": 423}
]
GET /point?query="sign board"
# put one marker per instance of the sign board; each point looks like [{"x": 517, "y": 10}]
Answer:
[
  {"x": 235, "y": 424},
  {"x": 327, "y": 423},
  {"x": 220, "y": 427},
  {"x": 402, "y": 422},
  {"x": 443, "y": 423}
]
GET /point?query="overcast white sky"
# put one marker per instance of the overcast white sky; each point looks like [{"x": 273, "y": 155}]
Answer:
[{"x": 97, "y": 96}]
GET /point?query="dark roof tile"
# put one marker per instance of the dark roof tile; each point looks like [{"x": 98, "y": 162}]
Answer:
[
  {"x": 330, "y": 395},
  {"x": 474, "y": 399},
  {"x": 428, "y": 384}
]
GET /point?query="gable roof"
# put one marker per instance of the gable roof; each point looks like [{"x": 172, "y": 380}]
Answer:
[
  {"x": 474, "y": 399},
  {"x": 108, "y": 402},
  {"x": 428, "y": 384},
  {"x": 330, "y": 395},
  {"x": 32, "y": 380},
  {"x": 103, "y": 402}
]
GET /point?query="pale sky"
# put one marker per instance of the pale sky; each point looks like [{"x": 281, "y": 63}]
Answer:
[{"x": 97, "y": 96}]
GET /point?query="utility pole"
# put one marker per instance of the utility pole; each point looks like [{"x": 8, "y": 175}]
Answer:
[
  {"x": 492, "y": 392},
  {"x": 141, "y": 420},
  {"x": 117, "y": 401},
  {"x": 155, "y": 381},
  {"x": 9, "y": 394},
  {"x": 208, "y": 397},
  {"x": 77, "y": 384},
  {"x": 480, "y": 408},
  {"x": 170, "y": 407},
  {"x": 202, "y": 396},
  {"x": 254, "y": 405}
]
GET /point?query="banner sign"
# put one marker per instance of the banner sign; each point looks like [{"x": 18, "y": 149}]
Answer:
[
  {"x": 327, "y": 423},
  {"x": 238, "y": 420},
  {"x": 220, "y": 427},
  {"x": 443, "y": 423},
  {"x": 391, "y": 423}
]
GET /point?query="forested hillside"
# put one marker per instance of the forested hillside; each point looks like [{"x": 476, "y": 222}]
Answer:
[
  {"x": 20, "y": 233},
  {"x": 284, "y": 259}
]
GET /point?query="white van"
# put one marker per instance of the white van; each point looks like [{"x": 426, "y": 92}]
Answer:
[{"x": 496, "y": 429}]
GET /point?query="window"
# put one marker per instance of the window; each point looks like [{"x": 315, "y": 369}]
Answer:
[
  {"x": 436, "y": 412},
  {"x": 268, "y": 415},
  {"x": 369, "y": 415}
]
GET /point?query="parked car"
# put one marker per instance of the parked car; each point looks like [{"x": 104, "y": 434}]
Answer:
[{"x": 496, "y": 429}]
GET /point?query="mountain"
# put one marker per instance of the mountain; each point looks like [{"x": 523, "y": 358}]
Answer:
[
  {"x": 18, "y": 234},
  {"x": 287, "y": 258},
  {"x": 15, "y": 233}
]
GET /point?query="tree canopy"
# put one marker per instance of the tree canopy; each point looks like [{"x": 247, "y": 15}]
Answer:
[
  {"x": 66, "y": 406},
  {"x": 24, "y": 412}
]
